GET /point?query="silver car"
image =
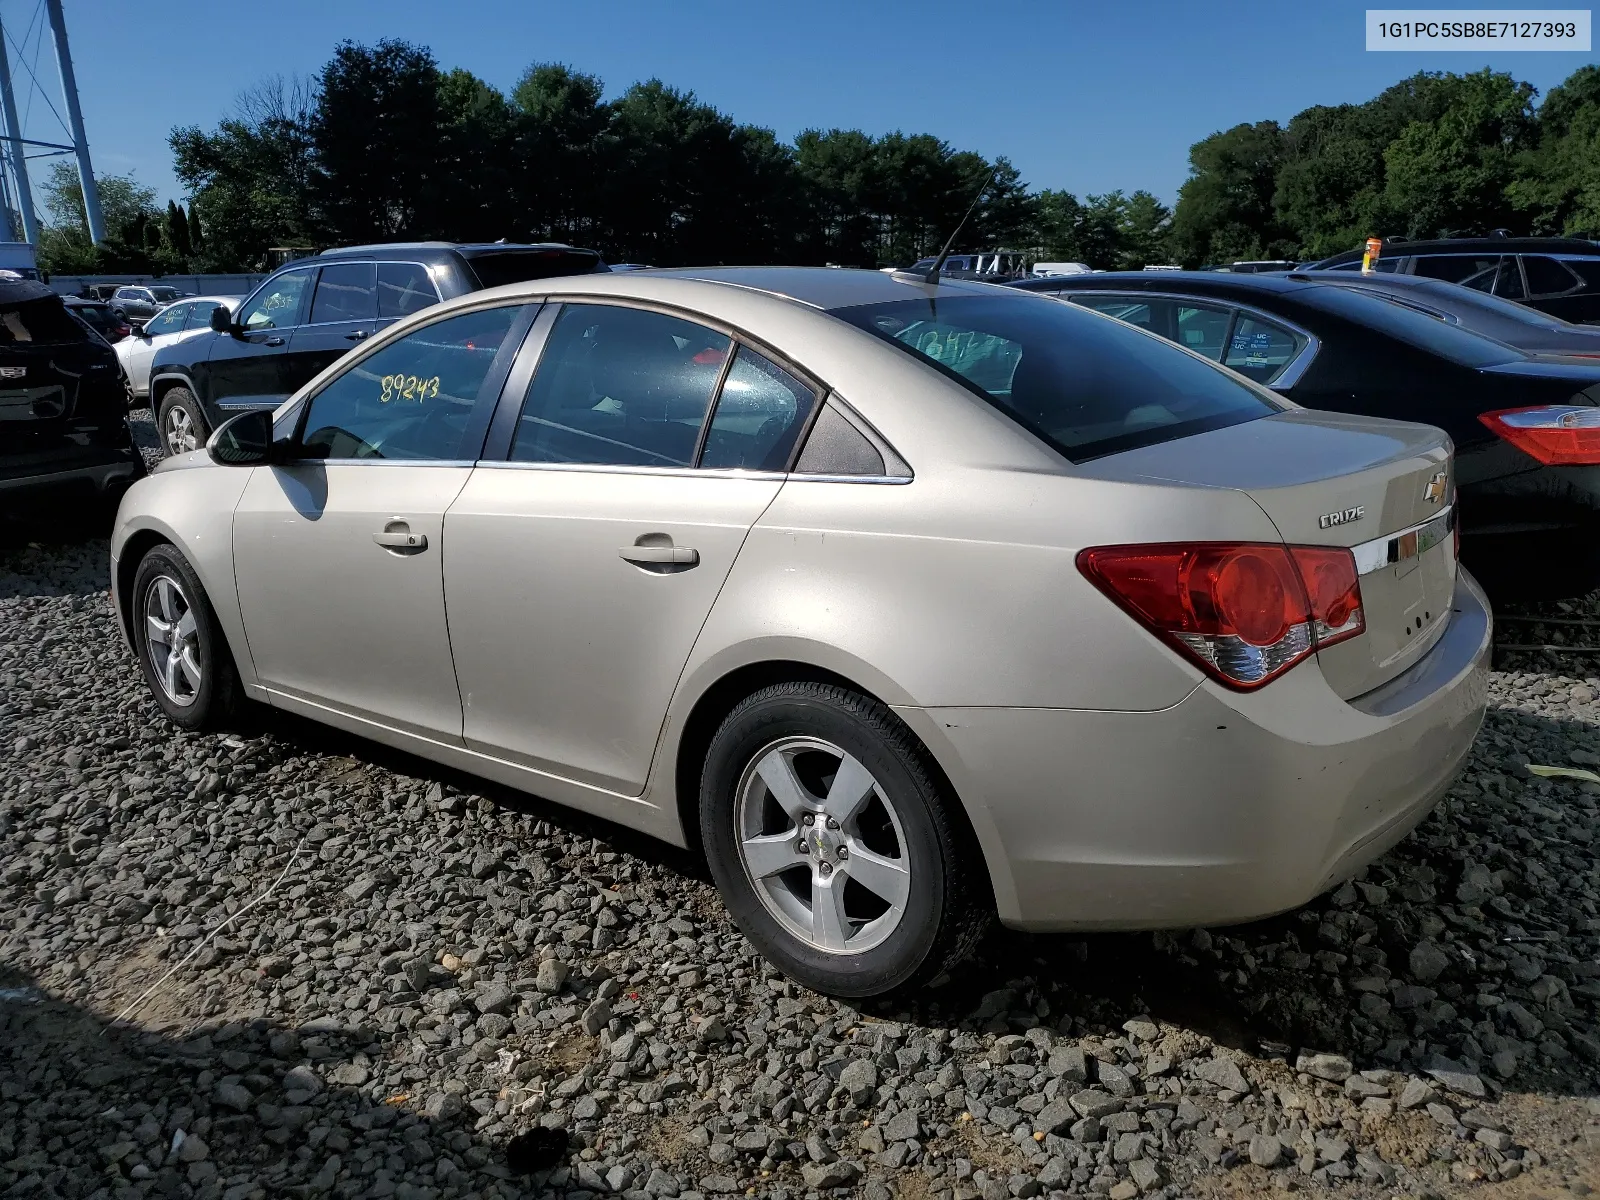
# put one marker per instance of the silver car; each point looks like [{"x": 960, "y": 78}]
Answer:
[
  {"x": 185, "y": 319},
  {"x": 910, "y": 605}
]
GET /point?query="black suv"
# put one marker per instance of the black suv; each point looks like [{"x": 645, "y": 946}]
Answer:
[
  {"x": 1560, "y": 276},
  {"x": 63, "y": 405},
  {"x": 311, "y": 311}
]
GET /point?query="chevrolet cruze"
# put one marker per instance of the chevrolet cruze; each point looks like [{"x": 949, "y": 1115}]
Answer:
[{"x": 911, "y": 604}]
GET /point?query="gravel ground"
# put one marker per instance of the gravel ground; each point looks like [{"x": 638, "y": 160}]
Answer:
[{"x": 375, "y": 978}]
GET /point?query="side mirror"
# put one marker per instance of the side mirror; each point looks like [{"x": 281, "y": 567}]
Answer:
[
  {"x": 221, "y": 320},
  {"x": 243, "y": 441}
]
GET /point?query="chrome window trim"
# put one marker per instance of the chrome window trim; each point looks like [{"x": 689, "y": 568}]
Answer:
[
  {"x": 676, "y": 472},
  {"x": 1388, "y": 550},
  {"x": 378, "y": 462},
  {"x": 1292, "y": 371}
]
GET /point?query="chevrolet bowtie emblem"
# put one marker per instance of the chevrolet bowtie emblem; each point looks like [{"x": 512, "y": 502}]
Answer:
[{"x": 1433, "y": 491}]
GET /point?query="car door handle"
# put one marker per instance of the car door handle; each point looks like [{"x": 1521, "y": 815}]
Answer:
[
  {"x": 272, "y": 341},
  {"x": 358, "y": 336},
  {"x": 400, "y": 539},
  {"x": 655, "y": 556}
]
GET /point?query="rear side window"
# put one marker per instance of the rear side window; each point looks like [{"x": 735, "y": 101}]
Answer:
[
  {"x": 760, "y": 412},
  {"x": 620, "y": 387},
  {"x": 404, "y": 288},
  {"x": 44, "y": 322},
  {"x": 1086, "y": 385},
  {"x": 1588, "y": 270},
  {"x": 345, "y": 292},
  {"x": 1261, "y": 350},
  {"x": 1469, "y": 270},
  {"x": 414, "y": 399}
]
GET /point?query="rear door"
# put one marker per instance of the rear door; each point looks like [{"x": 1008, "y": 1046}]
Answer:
[
  {"x": 343, "y": 314},
  {"x": 581, "y": 569}
]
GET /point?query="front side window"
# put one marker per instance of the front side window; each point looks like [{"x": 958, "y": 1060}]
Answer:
[
  {"x": 345, "y": 292},
  {"x": 1261, "y": 350},
  {"x": 620, "y": 387},
  {"x": 760, "y": 412},
  {"x": 404, "y": 288},
  {"x": 277, "y": 304},
  {"x": 414, "y": 398},
  {"x": 1087, "y": 386},
  {"x": 168, "y": 320}
]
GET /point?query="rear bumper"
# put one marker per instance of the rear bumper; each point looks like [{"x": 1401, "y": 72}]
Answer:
[
  {"x": 71, "y": 468},
  {"x": 1225, "y": 807}
]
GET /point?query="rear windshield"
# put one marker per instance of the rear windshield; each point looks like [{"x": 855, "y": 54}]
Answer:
[
  {"x": 39, "y": 323},
  {"x": 516, "y": 266},
  {"x": 97, "y": 316},
  {"x": 1450, "y": 342},
  {"x": 1087, "y": 384}
]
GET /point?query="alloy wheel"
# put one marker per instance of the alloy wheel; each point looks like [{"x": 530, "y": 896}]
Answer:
[
  {"x": 179, "y": 431},
  {"x": 822, "y": 845},
  {"x": 172, "y": 635}
]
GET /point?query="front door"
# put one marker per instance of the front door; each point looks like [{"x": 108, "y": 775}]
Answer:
[
  {"x": 338, "y": 552},
  {"x": 244, "y": 368},
  {"x": 580, "y": 572},
  {"x": 161, "y": 330},
  {"x": 344, "y": 313}
]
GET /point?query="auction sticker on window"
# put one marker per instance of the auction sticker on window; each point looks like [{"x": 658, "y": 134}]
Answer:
[{"x": 1478, "y": 29}]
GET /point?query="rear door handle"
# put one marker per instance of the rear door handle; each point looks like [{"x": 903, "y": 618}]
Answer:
[
  {"x": 400, "y": 539},
  {"x": 357, "y": 336},
  {"x": 681, "y": 556}
]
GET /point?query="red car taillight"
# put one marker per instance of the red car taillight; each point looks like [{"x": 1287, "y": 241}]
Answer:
[
  {"x": 1558, "y": 435},
  {"x": 1244, "y": 611}
]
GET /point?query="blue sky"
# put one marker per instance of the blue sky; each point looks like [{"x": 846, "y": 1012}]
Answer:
[{"x": 1083, "y": 96}]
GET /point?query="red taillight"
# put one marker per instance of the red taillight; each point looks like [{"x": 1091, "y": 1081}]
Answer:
[
  {"x": 1558, "y": 435},
  {"x": 1246, "y": 612}
]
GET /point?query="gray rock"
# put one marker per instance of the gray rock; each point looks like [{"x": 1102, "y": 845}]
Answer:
[
  {"x": 234, "y": 1096},
  {"x": 1266, "y": 1150},
  {"x": 552, "y": 974},
  {"x": 1223, "y": 1072},
  {"x": 441, "y": 1106},
  {"x": 1070, "y": 1063},
  {"x": 902, "y": 1127},
  {"x": 1094, "y": 1103},
  {"x": 1456, "y": 1077},
  {"x": 860, "y": 1079},
  {"x": 1428, "y": 962},
  {"x": 1335, "y": 1068},
  {"x": 829, "y": 1175}
]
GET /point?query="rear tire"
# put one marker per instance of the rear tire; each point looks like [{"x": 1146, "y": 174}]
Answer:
[
  {"x": 185, "y": 658},
  {"x": 834, "y": 846},
  {"x": 180, "y": 424}
]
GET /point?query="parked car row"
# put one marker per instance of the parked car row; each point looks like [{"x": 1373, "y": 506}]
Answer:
[{"x": 1516, "y": 395}]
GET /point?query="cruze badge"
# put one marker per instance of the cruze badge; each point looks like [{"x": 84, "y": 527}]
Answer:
[
  {"x": 1342, "y": 517},
  {"x": 1433, "y": 490}
]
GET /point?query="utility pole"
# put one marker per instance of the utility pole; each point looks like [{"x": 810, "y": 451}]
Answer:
[
  {"x": 18, "y": 156},
  {"x": 80, "y": 140}
]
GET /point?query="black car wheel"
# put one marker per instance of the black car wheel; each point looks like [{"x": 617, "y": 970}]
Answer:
[
  {"x": 180, "y": 423},
  {"x": 834, "y": 845},
  {"x": 182, "y": 652}
]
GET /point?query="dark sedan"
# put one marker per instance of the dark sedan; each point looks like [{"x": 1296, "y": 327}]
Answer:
[
  {"x": 1515, "y": 324},
  {"x": 1526, "y": 426},
  {"x": 63, "y": 406}
]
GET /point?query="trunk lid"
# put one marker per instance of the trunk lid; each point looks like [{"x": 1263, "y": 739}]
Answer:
[{"x": 1383, "y": 488}]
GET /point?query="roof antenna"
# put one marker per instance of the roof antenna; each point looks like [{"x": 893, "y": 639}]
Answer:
[{"x": 933, "y": 275}]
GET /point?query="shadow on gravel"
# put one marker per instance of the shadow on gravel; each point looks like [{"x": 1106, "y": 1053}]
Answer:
[{"x": 242, "y": 1110}]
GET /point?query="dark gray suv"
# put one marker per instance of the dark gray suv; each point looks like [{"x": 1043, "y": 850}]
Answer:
[{"x": 310, "y": 311}]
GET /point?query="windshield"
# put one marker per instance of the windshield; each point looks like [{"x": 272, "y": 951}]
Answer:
[
  {"x": 1087, "y": 384},
  {"x": 518, "y": 266},
  {"x": 96, "y": 317},
  {"x": 164, "y": 294}
]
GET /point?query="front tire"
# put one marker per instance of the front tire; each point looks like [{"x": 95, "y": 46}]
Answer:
[
  {"x": 834, "y": 846},
  {"x": 182, "y": 652},
  {"x": 180, "y": 424}
]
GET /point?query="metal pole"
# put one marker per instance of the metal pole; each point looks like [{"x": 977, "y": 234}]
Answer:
[
  {"x": 80, "y": 140},
  {"x": 19, "y": 160}
]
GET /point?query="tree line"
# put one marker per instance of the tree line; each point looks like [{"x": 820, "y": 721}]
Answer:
[{"x": 384, "y": 144}]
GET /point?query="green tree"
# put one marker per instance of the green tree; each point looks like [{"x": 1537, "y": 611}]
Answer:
[
  {"x": 1224, "y": 209},
  {"x": 1453, "y": 174},
  {"x": 1558, "y": 181},
  {"x": 560, "y": 128},
  {"x": 125, "y": 204},
  {"x": 249, "y": 180}
]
